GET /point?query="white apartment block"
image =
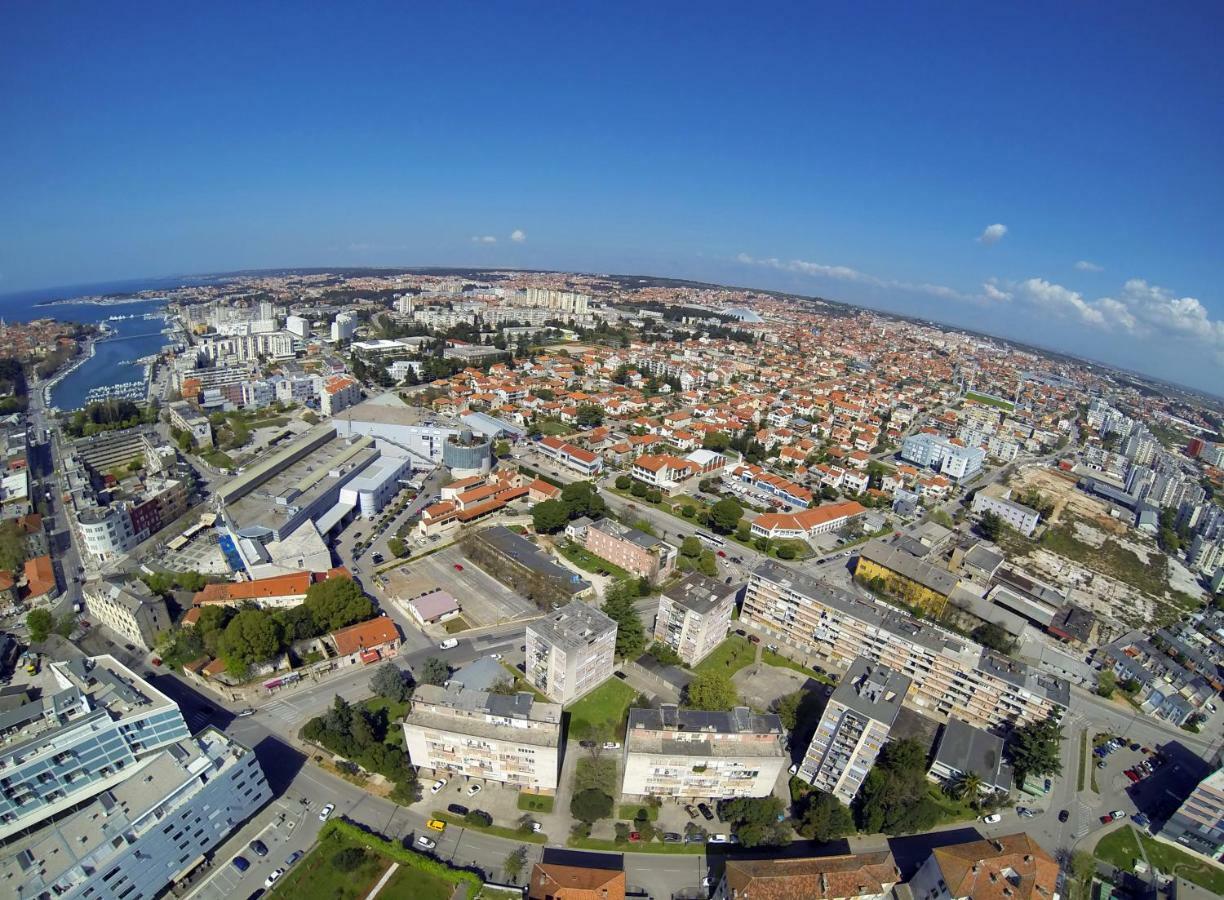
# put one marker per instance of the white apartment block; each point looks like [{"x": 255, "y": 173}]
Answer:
[
  {"x": 129, "y": 609},
  {"x": 512, "y": 739},
  {"x": 694, "y": 616},
  {"x": 688, "y": 753},
  {"x": 854, "y": 726},
  {"x": 570, "y": 652},
  {"x": 948, "y": 673},
  {"x": 186, "y": 417},
  {"x": 339, "y": 393},
  {"x": 1020, "y": 517},
  {"x": 250, "y": 347}
]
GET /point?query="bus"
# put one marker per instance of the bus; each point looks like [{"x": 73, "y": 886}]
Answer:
[{"x": 707, "y": 538}]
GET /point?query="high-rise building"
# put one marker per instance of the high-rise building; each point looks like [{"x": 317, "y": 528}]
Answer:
[
  {"x": 570, "y": 652},
  {"x": 343, "y": 327},
  {"x": 673, "y": 752},
  {"x": 145, "y": 831},
  {"x": 298, "y": 326},
  {"x": 1198, "y": 823},
  {"x": 75, "y": 729},
  {"x": 510, "y": 738},
  {"x": 694, "y": 616},
  {"x": 854, "y": 726}
]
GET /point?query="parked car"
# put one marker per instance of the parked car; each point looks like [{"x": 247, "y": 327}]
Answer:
[
  {"x": 586, "y": 745},
  {"x": 1025, "y": 812},
  {"x": 243, "y": 713},
  {"x": 240, "y": 863},
  {"x": 611, "y": 745},
  {"x": 671, "y": 837},
  {"x": 1106, "y": 819},
  {"x": 458, "y": 567},
  {"x": 1064, "y": 815},
  {"x": 718, "y": 839},
  {"x": 695, "y": 839},
  {"x": 1101, "y": 764},
  {"x": 326, "y": 811},
  {"x": 272, "y": 878},
  {"x": 692, "y": 813},
  {"x": 449, "y": 644},
  {"x": 992, "y": 819},
  {"x": 793, "y": 770},
  {"x": 436, "y": 825},
  {"x": 1141, "y": 820},
  {"x": 425, "y": 842},
  {"x": 437, "y": 786},
  {"x": 458, "y": 809},
  {"x": 706, "y": 812},
  {"x": 753, "y": 639},
  {"x": 1118, "y": 814},
  {"x": 292, "y": 858},
  {"x": 473, "y": 790},
  {"x": 635, "y": 836},
  {"x": 377, "y": 558},
  {"x": 258, "y": 847}
]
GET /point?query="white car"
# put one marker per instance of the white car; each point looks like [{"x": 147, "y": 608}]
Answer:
[
  {"x": 1118, "y": 814},
  {"x": 794, "y": 770},
  {"x": 437, "y": 786},
  {"x": 271, "y": 879},
  {"x": 494, "y": 656},
  {"x": 448, "y": 644},
  {"x": 992, "y": 819},
  {"x": 425, "y": 842},
  {"x": 473, "y": 790},
  {"x": 611, "y": 745},
  {"x": 717, "y": 839},
  {"x": 326, "y": 811}
]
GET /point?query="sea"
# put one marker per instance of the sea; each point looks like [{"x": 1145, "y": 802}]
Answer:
[{"x": 115, "y": 359}]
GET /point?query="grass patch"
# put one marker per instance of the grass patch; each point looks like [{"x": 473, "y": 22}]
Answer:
[
  {"x": 496, "y": 830},
  {"x": 217, "y": 458},
  {"x": 540, "y": 803},
  {"x": 600, "y": 774},
  {"x": 630, "y": 811},
  {"x": 555, "y": 427},
  {"x": 395, "y": 710},
  {"x": 652, "y": 847},
  {"x": 1084, "y": 756},
  {"x": 588, "y": 561},
  {"x": 950, "y": 810},
  {"x": 521, "y": 683},
  {"x": 729, "y": 657},
  {"x": 417, "y": 885},
  {"x": 456, "y": 625},
  {"x": 315, "y": 878},
  {"x": 1121, "y": 848},
  {"x": 606, "y": 706},
  {"x": 770, "y": 658},
  {"x": 989, "y": 401}
]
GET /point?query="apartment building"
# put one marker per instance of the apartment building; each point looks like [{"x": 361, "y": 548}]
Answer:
[
  {"x": 513, "y": 739},
  {"x": 947, "y": 672},
  {"x": 848, "y": 876},
  {"x": 948, "y": 456},
  {"x": 338, "y": 394},
  {"x": 1011, "y": 867},
  {"x": 634, "y": 551},
  {"x": 1016, "y": 515},
  {"x": 146, "y": 831},
  {"x": 186, "y": 417},
  {"x": 570, "y": 652},
  {"x": 854, "y": 726},
  {"x": 277, "y": 592},
  {"x": 917, "y": 581},
  {"x": 75, "y": 729},
  {"x": 582, "y": 461},
  {"x": 808, "y": 523},
  {"x": 127, "y": 608},
  {"x": 688, "y": 753},
  {"x": 1198, "y": 824},
  {"x": 694, "y": 616}
]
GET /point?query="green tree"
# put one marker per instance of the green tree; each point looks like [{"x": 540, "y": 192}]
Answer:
[
  {"x": 725, "y": 515},
  {"x": 434, "y": 671},
  {"x": 990, "y": 526},
  {"x": 388, "y": 681},
  {"x": 1033, "y": 749},
  {"x": 516, "y": 862},
  {"x": 707, "y": 564},
  {"x": 397, "y": 547},
  {"x": 690, "y": 547},
  {"x": 716, "y": 440},
  {"x": 824, "y": 818},
  {"x": 40, "y": 622},
  {"x": 623, "y": 482},
  {"x": 1106, "y": 682},
  {"x": 711, "y": 691},
  {"x": 251, "y": 636},
  {"x": 630, "y": 635},
  {"x": 581, "y": 498},
  {"x": 893, "y": 798},
  {"x": 993, "y": 636},
  {"x": 337, "y": 602},
  {"x": 12, "y": 546},
  {"x": 350, "y": 859},
  {"x": 590, "y": 415},
  {"x": 590, "y": 805},
  {"x": 665, "y": 655},
  {"x": 549, "y": 516},
  {"x": 966, "y": 786},
  {"x": 743, "y": 531},
  {"x": 786, "y": 551},
  {"x": 638, "y": 489},
  {"x": 755, "y": 820}
]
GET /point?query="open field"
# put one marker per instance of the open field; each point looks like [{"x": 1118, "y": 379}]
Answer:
[
  {"x": 728, "y": 657},
  {"x": 1120, "y": 849},
  {"x": 607, "y": 706}
]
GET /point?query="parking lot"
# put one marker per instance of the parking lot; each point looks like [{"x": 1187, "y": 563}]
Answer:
[{"x": 483, "y": 599}]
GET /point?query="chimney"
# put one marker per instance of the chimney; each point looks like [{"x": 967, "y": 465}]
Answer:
[{"x": 997, "y": 844}]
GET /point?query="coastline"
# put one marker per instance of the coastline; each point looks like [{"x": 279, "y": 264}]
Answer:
[
  {"x": 77, "y": 362},
  {"x": 99, "y": 301}
]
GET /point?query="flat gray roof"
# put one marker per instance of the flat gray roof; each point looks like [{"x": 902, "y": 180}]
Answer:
[
  {"x": 574, "y": 626},
  {"x": 900, "y": 561},
  {"x": 967, "y": 749},
  {"x": 871, "y": 690},
  {"x": 699, "y": 593}
]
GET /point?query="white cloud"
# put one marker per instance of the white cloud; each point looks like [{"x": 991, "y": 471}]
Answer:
[
  {"x": 992, "y": 234},
  {"x": 1085, "y": 265},
  {"x": 518, "y": 236},
  {"x": 845, "y": 273},
  {"x": 483, "y": 239},
  {"x": 991, "y": 291}
]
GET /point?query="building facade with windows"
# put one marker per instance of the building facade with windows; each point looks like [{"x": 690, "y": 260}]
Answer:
[
  {"x": 128, "y": 608},
  {"x": 1198, "y": 824},
  {"x": 570, "y": 652},
  {"x": 948, "y": 674},
  {"x": 510, "y": 738},
  {"x": 673, "y": 752},
  {"x": 634, "y": 551},
  {"x": 694, "y": 616}
]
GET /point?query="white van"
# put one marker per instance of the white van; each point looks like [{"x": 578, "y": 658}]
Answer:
[{"x": 448, "y": 644}]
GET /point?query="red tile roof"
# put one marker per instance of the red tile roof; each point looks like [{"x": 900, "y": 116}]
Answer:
[{"x": 365, "y": 635}]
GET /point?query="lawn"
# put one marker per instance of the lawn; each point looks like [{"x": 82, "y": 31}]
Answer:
[
  {"x": 990, "y": 401},
  {"x": 1120, "y": 848},
  {"x": 395, "y": 711},
  {"x": 496, "y": 830},
  {"x": 588, "y": 561},
  {"x": 950, "y": 810},
  {"x": 629, "y": 811},
  {"x": 553, "y": 427},
  {"x": 601, "y": 774},
  {"x": 776, "y": 659},
  {"x": 540, "y": 803},
  {"x": 605, "y": 707},
  {"x": 456, "y": 625},
  {"x": 521, "y": 683},
  {"x": 408, "y": 882},
  {"x": 218, "y": 458},
  {"x": 315, "y": 878},
  {"x": 729, "y": 657}
]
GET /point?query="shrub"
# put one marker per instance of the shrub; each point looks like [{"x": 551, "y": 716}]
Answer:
[
  {"x": 349, "y": 859},
  {"x": 479, "y": 818}
]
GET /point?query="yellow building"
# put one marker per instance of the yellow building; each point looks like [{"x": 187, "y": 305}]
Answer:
[{"x": 919, "y": 583}]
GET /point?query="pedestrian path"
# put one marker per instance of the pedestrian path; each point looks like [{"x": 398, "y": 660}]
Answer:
[{"x": 382, "y": 881}]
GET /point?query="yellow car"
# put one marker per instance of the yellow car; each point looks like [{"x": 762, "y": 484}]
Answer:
[{"x": 436, "y": 825}]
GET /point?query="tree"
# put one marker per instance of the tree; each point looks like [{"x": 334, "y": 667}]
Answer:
[
  {"x": 515, "y": 862},
  {"x": 743, "y": 531},
  {"x": 1083, "y": 867},
  {"x": 1106, "y": 682},
  {"x": 824, "y": 818},
  {"x": 434, "y": 671},
  {"x": 711, "y": 691},
  {"x": 786, "y": 551},
  {"x": 397, "y": 547},
  {"x": 549, "y": 516},
  {"x": 716, "y": 440},
  {"x": 350, "y": 859},
  {"x": 966, "y": 785},
  {"x": 725, "y": 515},
  {"x": 893, "y": 798},
  {"x": 251, "y": 636},
  {"x": 993, "y": 636},
  {"x": 630, "y": 635},
  {"x": 337, "y": 602},
  {"x": 388, "y": 681},
  {"x": 590, "y": 805},
  {"x": 756, "y": 820},
  {"x": 590, "y": 415},
  {"x": 638, "y": 489},
  {"x": 690, "y": 547},
  {"x": 665, "y": 655},
  {"x": 12, "y": 546},
  {"x": 707, "y": 564},
  {"x": 40, "y": 622},
  {"x": 1033, "y": 749},
  {"x": 623, "y": 482},
  {"x": 478, "y": 817},
  {"x": 581, "y": 498},
  {"x": 990, "y": 525}
]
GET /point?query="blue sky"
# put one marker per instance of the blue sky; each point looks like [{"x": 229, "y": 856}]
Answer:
[{"x": 853, "y": 151}]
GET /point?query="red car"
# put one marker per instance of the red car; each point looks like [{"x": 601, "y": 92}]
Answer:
[
  {"x": 635, "y": 836},
  {"x": 1106, "y": 819},
  {"x": 458, "y": 568},
  {"x": 1132, "y": 774},
  {"x": 722, "y": 553}
]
